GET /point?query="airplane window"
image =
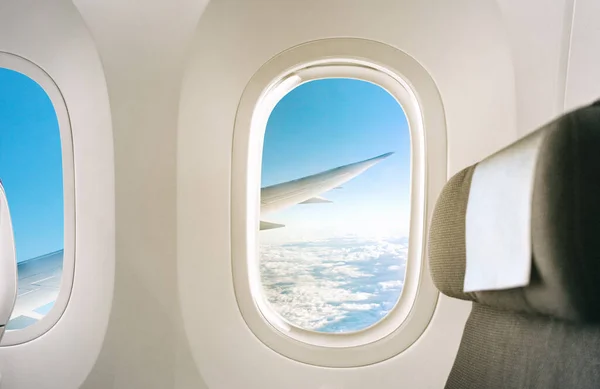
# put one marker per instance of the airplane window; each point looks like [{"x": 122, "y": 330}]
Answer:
[
  {"x": 32, "y": 174},
  {"x": 335, "y": 206}
]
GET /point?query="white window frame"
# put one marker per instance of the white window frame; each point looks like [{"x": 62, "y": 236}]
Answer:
[
  {"x": 415, "y": 91},
  {"x": 37, "y": 74}
]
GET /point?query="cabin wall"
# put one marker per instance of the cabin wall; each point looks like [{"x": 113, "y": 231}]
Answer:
[
  {"x": 501, "y": 68},
  {"x": 143, "y": 51},
  {"x": 52, "y": 35},
  {"x": 583, "y": 71},
  {"x": 539, "y": 36},
  {"x": 175, "y": 72},
  {"x": 555, "y": 56},
  {"x": 464, "y": 47}
]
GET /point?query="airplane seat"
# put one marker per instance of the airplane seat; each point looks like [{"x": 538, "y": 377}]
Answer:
[{"x": 520, "y": 231}]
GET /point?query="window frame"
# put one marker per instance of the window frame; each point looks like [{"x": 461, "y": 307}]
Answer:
[
  {"x": 38, "y": 75},
  {"x": 364, "y": 72},
  {"x": 337, "y": 58}
]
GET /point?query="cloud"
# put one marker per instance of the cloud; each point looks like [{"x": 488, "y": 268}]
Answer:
[
  {"x": 346, "y": 271},
  {"x": 359, "y": 307},
  {"x": 333, "y": 285},
  {"x": 396, "y": 284}
]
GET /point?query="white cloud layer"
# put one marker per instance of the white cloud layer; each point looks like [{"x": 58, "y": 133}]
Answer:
[{"x": 334, "y": 285}]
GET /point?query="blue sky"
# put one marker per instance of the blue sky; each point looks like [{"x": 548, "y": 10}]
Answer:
[
  {"x": 31, "y": 165},
  {"x": 317, "y": 126},
  {"x": 332, "y": 122}
]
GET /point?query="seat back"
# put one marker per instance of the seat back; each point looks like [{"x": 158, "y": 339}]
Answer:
[{"x": 546, "y": 332}]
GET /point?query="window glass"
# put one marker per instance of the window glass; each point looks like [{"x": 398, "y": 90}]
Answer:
[
  {"x": 335, "y": 205},
  {"x": 32, "y": 175}
]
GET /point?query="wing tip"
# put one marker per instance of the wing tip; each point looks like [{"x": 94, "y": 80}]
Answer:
[{"x": 384, "y": 155}]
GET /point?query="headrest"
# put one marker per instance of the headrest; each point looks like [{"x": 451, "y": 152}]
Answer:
[{"x": 555, "y": 230}]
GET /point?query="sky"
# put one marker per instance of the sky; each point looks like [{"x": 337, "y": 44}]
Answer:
[
  {"x": 327, "y": 123},
  {"x": 337, "y": 267},
  {"x": 31, "y": 165}
]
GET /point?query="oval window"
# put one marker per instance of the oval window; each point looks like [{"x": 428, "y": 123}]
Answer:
[
  {"x": 31, "y": 170},
  {"x": 331, "y": 187},
  {"x": 335, "y": 205}
]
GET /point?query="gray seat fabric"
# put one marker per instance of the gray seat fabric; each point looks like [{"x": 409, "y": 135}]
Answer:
[
  {"x": 514, "y": 350},
  {"x": 547, "y": 334}
]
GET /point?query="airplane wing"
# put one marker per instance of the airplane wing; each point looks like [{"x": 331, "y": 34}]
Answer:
[
  {"x": 306, "y": 190},
  {"x": 39, "y": 284}
]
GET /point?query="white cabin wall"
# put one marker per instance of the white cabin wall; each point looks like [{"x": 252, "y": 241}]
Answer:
[
  {"x": 52, "y": 35},
  {"x": 501, "y": 68},
  {"x": 464, "y": 46},
  {"x": 143, "y": 47},
  {"x": 555, "y": 54},
  {"x": 539, "y": 33},
  {"x": 583, "y": 77},
  {"x": 452, "y": 41}
]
